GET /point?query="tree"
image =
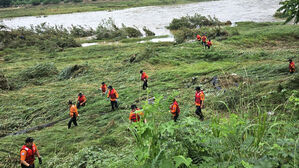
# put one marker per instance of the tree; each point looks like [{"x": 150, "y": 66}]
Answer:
[
  {"x": 5, "y": 3},
  {"x": 290, "y": 9}
]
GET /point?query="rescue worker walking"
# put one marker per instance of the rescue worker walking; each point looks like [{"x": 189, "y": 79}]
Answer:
[
  {"x": 199, "y": 102},
  {"x": 103, "y": 88},
  {"x": 28, "y": 152},
  {"x": 134, "y": 114},
  {"x": 144, "y": 78},
  {"x": 198, "y": 38},
  {"x": 175, "y": 110},
  {"x": 209, "y": 44},
  {"x": 81, "y": 100},
  {"x": 73, "y": 114},
  {"x": 291, "y": 66},
  {"x": 112, "y": 93},
  {"x": 204, "y": 40}
]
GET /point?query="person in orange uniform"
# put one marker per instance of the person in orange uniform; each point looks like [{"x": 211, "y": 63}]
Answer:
[
  {"x": 198, "y": 38},
  {"x": 73, "y": 114},
  {"x": 104, "y": 88},
  {"x": 291, "y": 66},
  {"x": 28, "y": 152},
  {"x": 204, "y": 40},
  {"x": 112, "y": 93},
  {"x": 209, "y": 44},
  {"x": 135, "y": 116},
  {"x": 175, "y": 110},
  {"x": 144, "y": 78},
  {"x": 199, "y": 102},
  {"x": 81, "y": 100}
]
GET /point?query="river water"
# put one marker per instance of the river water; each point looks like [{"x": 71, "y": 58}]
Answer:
[{"x": 157, "y": 17}]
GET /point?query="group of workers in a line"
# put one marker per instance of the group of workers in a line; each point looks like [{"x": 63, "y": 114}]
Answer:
[
  {"x": 203, "y": 40},
  {"x": 29, "y": 150}
]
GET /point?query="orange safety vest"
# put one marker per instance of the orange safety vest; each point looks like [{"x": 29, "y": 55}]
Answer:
[
  {"x": 144, "y": 76},
  {"x": 81, "y": 98},
  {"x": 292, "y": 67},
  {"x": 104, "y": 88},
  {"x": 30, "y": 156},
  {"x": 204, "y": 38},
  {"x": 209, "y": 43},
  {"x": 73, "y": 110},
  {"x": 197, "y": 98},
  {"x": 175, "y": 109},
  {"x": 112, "y": 94},
  {"x": 134, "y": 117},
  {"x": 198, "y": 37}
]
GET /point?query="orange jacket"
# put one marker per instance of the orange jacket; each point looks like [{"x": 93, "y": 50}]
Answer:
[
  {"x": 209, "y": 43},
  {"x": 144, "y": 76},
  {"x": 175, "y": 109},
  {"x": 199, "y": 98},
  {"x": 198, "y": 37},
  {"x": 104, "y": 88},
  {"x": 135, "y": 116},
  {"x": 204, "y": 38},
  {"x": 112, "y": 94},
  {"x": 292, "y": 67},
  {"x": 73, "y": 110},
  {"x": 28, "y": 154},
  {"x": 82, "y": 99}
]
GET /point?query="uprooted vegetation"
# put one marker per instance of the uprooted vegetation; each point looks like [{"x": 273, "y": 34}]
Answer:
[
  {"x": 4, "y": 85},
  {"x": 38, "y": 71},
  {"x": 188, "y": 27},
  {"x": 252, "y": 121},
  {"x": 72, "y": 71}
]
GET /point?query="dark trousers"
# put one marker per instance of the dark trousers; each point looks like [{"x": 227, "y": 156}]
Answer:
[
  {"x": 23, "y": 166},
  {"x": 144, "y": 84},
  {"x": 114, "y": 104},
  {"x": 199, "y": 113},
  {"x": 207, "y": 46},
  {"x": 78, "y": 105},
  {"x": 175, "y": 117},
  {"x": 203, "y": 43},
  {"x": 72, "y": 120}
]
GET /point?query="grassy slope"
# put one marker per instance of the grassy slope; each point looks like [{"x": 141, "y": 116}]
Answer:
[
  {"x": 84, "y": 7},
  {"x": 170, "y": 69}
]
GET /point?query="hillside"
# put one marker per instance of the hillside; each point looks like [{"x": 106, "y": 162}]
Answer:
[{"x": 252, "y": 121}]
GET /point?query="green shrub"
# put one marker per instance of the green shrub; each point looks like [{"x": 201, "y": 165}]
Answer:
[
  {"x": 148, "y": 32},
  {"x": 72, "y": 72},
  {"x": 132, "y": 32},
  {"x": 39, "y": 70},
  {"x": 193, "y": 22},
  {"x": 79, "y": 31}
]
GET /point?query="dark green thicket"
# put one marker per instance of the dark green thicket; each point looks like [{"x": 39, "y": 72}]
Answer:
[
  {"x": 148, "y": 32},
  {"x": 3, "y": 82},
  {"x": 38, "y": 71},
  {"x": 193, "y": 22}
]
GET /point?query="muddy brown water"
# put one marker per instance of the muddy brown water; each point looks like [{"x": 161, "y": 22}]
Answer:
[{"x": 157, "y": 17}]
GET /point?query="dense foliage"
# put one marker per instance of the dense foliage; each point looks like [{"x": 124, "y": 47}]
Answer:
[{"x": 290, "y": 10}]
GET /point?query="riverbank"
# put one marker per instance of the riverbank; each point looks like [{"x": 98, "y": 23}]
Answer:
[
  {"x": 44, "y": 10},
  {"x": 250, "y": 116}
]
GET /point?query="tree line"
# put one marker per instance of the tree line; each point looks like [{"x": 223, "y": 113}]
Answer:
[{"x": 8, "y": 3}]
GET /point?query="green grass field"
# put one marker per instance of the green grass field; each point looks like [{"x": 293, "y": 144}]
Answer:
[
  {"x": 237, "y": 132},
  {"x": 83, "y": 7}
]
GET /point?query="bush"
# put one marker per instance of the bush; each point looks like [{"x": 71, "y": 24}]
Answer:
[
  {"x": 44, "y": 37},
  {"x": 72, "y": 72},
  {"x": 79, "y": 31},
  {"x": 108, "y": 30},
  {"x": 148, "y": 32},
  {"x": 35, "y": 2},
  {"x": 3, "y": 82},
  {"x": 39, "y": 70},
  {"x": 192, "y": 22},
  {"x": 132, "y": 32}
]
